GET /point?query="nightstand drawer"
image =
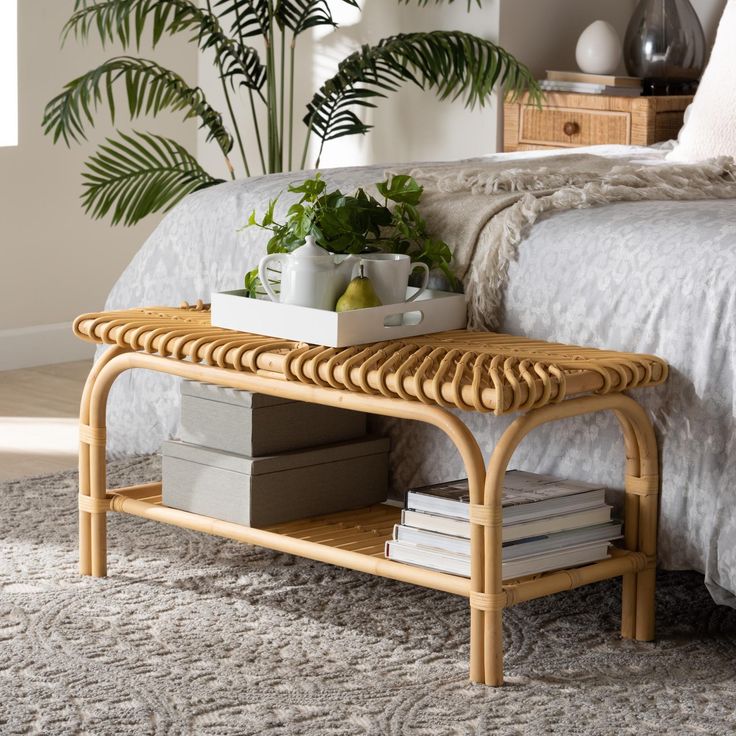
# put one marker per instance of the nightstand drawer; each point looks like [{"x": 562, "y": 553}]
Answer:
[
  {"x": 562, "y": 126},
  {"x": 568, "y": 120}
]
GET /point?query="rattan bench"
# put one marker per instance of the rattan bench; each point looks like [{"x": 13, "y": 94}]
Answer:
[{"x": 418, "y": 378}]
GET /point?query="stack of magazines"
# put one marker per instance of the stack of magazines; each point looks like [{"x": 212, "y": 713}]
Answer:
[
  {"x": 592, "y": 84},
  {"x": 548, "y": 524}
]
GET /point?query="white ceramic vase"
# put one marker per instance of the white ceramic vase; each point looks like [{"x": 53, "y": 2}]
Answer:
[{"x": 599, "y": 49}]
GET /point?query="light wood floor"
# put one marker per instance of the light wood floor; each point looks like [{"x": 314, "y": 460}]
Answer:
[{"x": 39, "y": 408}]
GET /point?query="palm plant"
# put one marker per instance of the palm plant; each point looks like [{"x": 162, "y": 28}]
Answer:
[{"x": 135, "y": 174}]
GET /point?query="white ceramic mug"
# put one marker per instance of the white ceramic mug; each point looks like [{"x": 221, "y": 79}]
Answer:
[{"x": 389, "y": 273}]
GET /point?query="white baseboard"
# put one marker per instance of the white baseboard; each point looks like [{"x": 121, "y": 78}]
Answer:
[{"x": 25, "y": 347}]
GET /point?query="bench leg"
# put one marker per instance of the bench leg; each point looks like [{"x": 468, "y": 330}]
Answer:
[
  {"x": 93, "y": 507},
  {"x": 85, "y": 518},
  {"x": 640, "y": 522},
  {"x": 642, "y": 487},
  {"x": 488, "y": 515},
  {"x": 93, "y": 504},
  {"x": 494, "y": 648},
  {"x": 646, "y": 579},
  {"x": 477, "y": 614},
  {"x": 98, "y": 490}
]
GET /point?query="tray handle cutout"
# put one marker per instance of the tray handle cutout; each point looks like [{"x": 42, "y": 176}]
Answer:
[{"x": 404, "y": 319}]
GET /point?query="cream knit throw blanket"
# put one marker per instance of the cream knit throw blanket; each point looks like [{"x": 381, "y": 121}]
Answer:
[{"x": 485, "y": 212}]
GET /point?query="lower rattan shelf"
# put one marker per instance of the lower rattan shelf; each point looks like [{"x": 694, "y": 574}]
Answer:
[{"x": 355, "y": 539}]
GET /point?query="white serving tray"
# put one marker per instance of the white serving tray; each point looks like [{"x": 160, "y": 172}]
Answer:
[{"x": 433, "y": 311}]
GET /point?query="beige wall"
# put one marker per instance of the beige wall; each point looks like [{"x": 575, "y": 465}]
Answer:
[
  {"x": 545, "y": 33},
  {"x": 409, "y": 124},
  {"x": 710, "y": 13},
  {"x": 56, "y": 261},
  {"x": 413, "y": 125}
]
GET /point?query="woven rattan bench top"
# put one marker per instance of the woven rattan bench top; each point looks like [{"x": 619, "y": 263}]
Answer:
[{"x": 475, "y": 371}]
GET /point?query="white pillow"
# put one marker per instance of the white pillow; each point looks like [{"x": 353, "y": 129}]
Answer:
[{"x": 710, "y": 128}]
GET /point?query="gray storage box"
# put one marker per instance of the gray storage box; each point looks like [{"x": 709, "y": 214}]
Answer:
[
  {"x": 256, "y": 424},
  {"x": 269, "y": 490}
]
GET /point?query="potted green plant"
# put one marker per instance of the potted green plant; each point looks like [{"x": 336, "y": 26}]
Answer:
[
  {"x": 355, "y": 223},
  {"x": 135, "y": 174}
]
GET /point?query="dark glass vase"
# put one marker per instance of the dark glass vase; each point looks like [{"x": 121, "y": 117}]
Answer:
[{"x": 665, "y": 46}]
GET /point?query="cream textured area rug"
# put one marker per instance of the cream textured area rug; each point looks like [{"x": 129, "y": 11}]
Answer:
[{"x": 195, "y": 635}]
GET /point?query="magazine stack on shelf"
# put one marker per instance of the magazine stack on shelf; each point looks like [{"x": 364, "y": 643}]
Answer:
[
  {"x": 548, "y": 524},
  {"x": 591, "y": 84}
]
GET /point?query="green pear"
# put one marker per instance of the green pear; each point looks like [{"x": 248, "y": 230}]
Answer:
[{"x": 359, "y": 295}]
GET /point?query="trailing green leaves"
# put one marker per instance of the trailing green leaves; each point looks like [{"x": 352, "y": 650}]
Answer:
[
  {"x": 453, "y": 63},
  {"x": 140, "y": 174},
  {"x": 149, "y": 89}
]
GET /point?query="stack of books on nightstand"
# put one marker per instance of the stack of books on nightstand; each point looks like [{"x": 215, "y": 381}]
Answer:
[
  {"x": 548, "y": 524},
  {"x": 592, "y": 84}
]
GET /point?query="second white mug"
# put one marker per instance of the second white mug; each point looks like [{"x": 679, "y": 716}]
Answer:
[{"x": 389, "y": 273}]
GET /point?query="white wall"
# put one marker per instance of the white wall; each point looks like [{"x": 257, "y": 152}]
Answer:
[{"x": 55, "y": 261}]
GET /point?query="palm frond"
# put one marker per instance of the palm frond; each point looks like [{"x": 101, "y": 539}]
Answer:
[
  {"x": 140, "y": 174},
  {"x": 125, "y": 21},
  {"x": 249, "y": 17},
  {"x": 300, "y": 15},
  {"x": 453, "y": 63},
  {"x": 149, "y": 88}
]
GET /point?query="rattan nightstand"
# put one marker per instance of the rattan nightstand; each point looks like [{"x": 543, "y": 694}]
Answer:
[{"x": 570, "y": 120}]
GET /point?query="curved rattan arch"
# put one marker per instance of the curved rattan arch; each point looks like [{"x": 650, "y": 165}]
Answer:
[{"x": 641, "y": 486}]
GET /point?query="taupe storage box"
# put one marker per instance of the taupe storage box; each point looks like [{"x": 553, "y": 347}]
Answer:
[
  {"x": 269, "y": 490},
  {"x": 255, "y": 424}
]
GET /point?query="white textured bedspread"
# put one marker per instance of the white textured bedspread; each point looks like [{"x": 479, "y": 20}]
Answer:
[{"x": 654, "y": 277}]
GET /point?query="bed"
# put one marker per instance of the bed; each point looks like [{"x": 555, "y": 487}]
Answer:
[{"x": 658, "y": 278}]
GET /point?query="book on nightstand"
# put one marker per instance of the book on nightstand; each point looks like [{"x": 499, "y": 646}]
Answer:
[
  {"x": 591, "y": 84},
  {"x": 610, "y": 80},
  {"x": 589, "y": 89},
  {"x": 548, "y": 523}
]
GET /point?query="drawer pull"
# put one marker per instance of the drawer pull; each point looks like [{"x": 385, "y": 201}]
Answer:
[{"x": 571, "y": 128}]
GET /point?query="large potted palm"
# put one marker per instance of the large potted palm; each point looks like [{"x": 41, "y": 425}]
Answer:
[{"x": 135, "y": 173}]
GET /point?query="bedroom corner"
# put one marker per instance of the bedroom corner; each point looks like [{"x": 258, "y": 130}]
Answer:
[{"x": 367, "y": 367}]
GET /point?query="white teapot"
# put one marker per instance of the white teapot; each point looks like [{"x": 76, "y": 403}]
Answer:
[{"x": 310, "y": 276}]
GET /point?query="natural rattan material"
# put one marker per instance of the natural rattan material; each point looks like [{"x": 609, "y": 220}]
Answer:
[
  {"x": 474, "y": 371},
  {"x": 417, "y": 379},
  {"x": 569, "y": 120}
]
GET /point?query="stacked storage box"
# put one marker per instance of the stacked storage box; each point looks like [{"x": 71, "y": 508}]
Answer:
[{"x": 258, "y": 460}]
